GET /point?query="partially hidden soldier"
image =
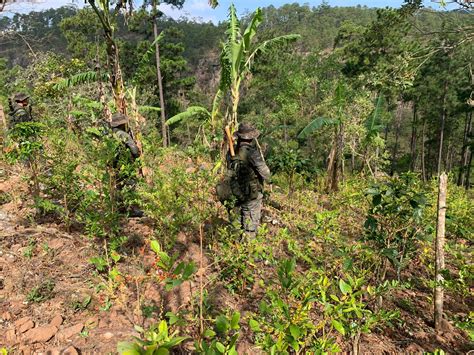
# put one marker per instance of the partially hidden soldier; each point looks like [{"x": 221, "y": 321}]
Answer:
[
  {"x": 125, "y": 159},
  {"x": 20, "y": 109},
  {"x": 249, "y": 171}
]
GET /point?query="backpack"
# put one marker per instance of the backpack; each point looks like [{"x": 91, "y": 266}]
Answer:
[{"x": 240, "y": 182}]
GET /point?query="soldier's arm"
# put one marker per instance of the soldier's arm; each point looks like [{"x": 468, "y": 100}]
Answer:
[
  {"x": 132, "y": 146},
  {"x": 129, "y": 142},
  {"x": 258, "y": 162}
]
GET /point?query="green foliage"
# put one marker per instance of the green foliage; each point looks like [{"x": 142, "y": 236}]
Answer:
[
  {"x": 316, "y": 124},
  {"x": 176, "y": 275},
  {"x": 42, "y": 292},
  {"x": 393, "y": 225},
  {"x": 222, "y": 339},
  {"x": 27, "y": 141},
  {"x": 156, "y": 340}
]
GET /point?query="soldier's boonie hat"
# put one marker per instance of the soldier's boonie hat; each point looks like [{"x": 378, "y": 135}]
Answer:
[
  {"x": 118, "y": 119},
  {"x": 18, "y": 97},
  {"x": 247, "y": 131}
]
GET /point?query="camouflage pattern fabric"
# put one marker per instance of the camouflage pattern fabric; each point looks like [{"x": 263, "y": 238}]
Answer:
[
  {"x": 247, "y": 184},
  {"x": 19, "y": 114}
]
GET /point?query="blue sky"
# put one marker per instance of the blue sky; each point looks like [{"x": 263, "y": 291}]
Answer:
[{"x": 200, "y": 10}]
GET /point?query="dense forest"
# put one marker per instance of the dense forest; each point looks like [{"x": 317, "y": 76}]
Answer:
[{"x": 363, "y": 113}]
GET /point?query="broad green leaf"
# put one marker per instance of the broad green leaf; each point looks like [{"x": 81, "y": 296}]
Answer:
[
  {"x": 209, "y": 333},
  {"x": 163, "y": 328},
  {"x": 175, "y": 341},
  {"x": 295, "y": 331},
  {"x": 234, "y": 323},
  {"x": 155, "y": 246},
  {"x": 222, "y": 324},
  {"x": 128, "y": 348},
  {"x": 344, "y": 287},
  {"x": 220, "y": 347},
  {"x": 251, "y": 29},
  {"x": 338, "y": 326},
  {"x": 161, "y": 351},
  {"x": 316, "y": 124},
  {"x": 254, "y": 325},
  {"x": 191, "y": 112}
]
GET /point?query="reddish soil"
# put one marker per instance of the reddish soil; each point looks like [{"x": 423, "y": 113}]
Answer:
[{"x": 43, "y": 261}]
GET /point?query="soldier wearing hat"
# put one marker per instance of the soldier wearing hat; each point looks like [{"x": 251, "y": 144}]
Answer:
[
  {"x": 249, "y": 173},
  {"x": 20, "y": 110},
  {"x": 126, "y": 155}
]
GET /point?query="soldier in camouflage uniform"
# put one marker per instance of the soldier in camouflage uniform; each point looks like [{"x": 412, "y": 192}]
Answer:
[
  {"x": 250, "y": 171},
  {"x": 20, "y": 110},
  {"x": 126, "y": 155}
]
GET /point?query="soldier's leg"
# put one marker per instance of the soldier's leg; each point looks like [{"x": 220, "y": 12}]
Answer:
[{"x": 250, "y": 215}]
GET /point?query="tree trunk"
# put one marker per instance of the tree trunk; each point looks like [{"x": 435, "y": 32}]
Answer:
[
  {"x": 398, "y": 118},
  {"x": 164, "y": 132},
  {"x": 334, "y": 157},
  {"x": 413, "y": 140},
  {"x": 441, "y": 131},
  {"x": 465, "y": 150},
  {"x": 468, "y": 174},
  {"x": 116, "y": 79},
  {"x": 4, "y": 125},
  {"x": 439, "y": 253},
  {"x": 423, "y": 167}
]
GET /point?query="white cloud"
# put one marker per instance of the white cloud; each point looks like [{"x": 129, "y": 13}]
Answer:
[
  {"x": 199, "y": 5},
  {"x": 197, "y": 10},
  {"x": 25, "y": 6}
]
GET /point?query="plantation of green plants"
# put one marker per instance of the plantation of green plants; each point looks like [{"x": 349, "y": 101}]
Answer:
[{"x": 118, "y": 126}]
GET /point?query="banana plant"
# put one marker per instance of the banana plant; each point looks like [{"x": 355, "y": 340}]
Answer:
[
  {"x": 337, "y": 147},
  {"x": 238, "y": 54}
]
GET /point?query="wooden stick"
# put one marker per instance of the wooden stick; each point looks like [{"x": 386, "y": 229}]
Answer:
[
  {"x": 230, "y": 140},
  {"x": 439, "y": 253}
]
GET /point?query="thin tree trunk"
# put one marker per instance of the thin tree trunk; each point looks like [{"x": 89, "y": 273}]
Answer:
[
  {"x": 465, "y": 149},
  {"x": 398, "y": 117},
  {"x": 423, "y": 167},
  {"x": 116, "y": 79},
  {"x": 413, "y": 139},
  {"x": 468, "y": 174},
  {"x": 447, "y": 160},
  {"x": 164, "y": 132},
  {"x": 439, "y": 250},
  {"x": 334, "y": 157},
  {"x": 443, "y": 121},
  {"x": 5, "y": 126}
]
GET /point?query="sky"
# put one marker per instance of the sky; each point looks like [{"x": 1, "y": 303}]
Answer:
[{"x": 201, "y": 11}]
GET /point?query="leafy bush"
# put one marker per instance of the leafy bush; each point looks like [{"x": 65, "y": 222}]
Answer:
[{"x": 394, "y": 221}]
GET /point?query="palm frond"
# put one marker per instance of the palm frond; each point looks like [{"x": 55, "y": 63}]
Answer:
[
  {"x": 86, "y": 102},
  {"x": 375, "y": 116},
  {"x": 270, "y": 44},
  {"x": 233, "y": 27},
  {"x": 191, "y": 112},
  {"x": 216, "y": 103},
  {"x": 251, "y": 29},
  {"x": 373, "y": 123},
  {"x": 78, "y": 79},
  {"x": 316, "y": 124},
  {"x": 146, "y": 108},
  {"x": 151, "y": 49}
]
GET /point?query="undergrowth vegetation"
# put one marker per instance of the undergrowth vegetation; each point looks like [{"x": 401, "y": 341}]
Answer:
[{"x": 344, "y": 259}]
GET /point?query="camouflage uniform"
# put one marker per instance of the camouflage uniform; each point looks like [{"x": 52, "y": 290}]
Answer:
[
  {"x": 251, "y": 172},
  {"x": 18, "y": 112},
  {"x": 126, "y": 155}
]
